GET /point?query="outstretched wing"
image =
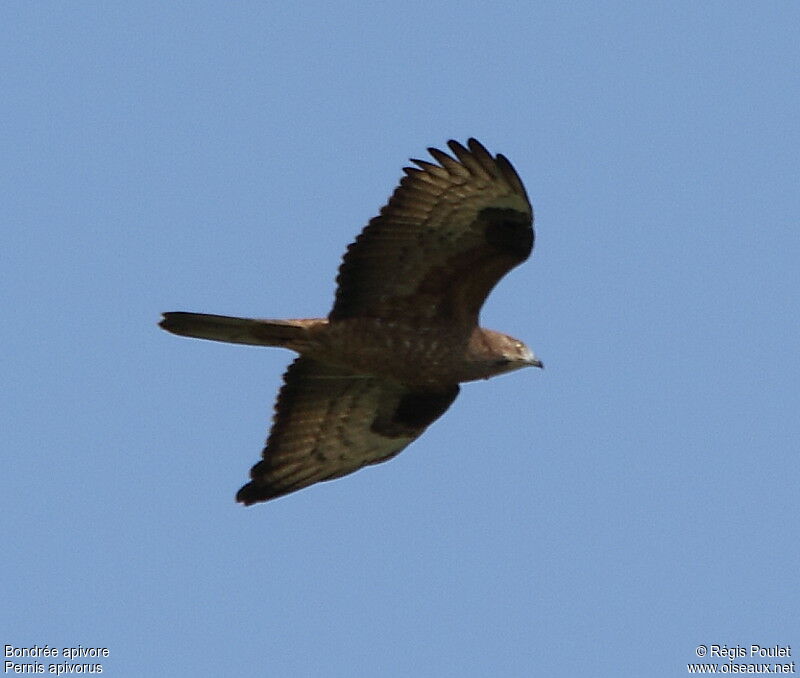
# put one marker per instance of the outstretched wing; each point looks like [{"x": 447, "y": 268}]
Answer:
[
  {"x": 329, "y": 423},
  {"x": 446, "y": 237}
]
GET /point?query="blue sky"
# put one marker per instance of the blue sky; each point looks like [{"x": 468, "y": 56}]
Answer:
[{"x": 604, "y": 517}]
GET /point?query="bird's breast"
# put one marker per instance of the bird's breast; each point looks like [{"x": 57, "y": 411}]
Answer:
[{"x": 404, "y": 351}]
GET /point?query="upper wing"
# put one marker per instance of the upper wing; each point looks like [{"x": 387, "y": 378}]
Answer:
[
  {"x": 446, "y": 237},
  {"x": 329, "y": 423}
]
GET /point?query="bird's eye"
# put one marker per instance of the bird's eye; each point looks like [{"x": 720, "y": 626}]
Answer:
[{"x": 502, "y": 362}]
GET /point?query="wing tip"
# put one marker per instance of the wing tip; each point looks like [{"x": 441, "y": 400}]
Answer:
[
  {"x": 246, "y": 496},
  {"x": 474, "y": 159},
  {"x": 254, "y": 493}
]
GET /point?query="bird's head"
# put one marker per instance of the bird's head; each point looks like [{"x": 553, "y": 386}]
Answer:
[
  {"x": 494, "y": 353},
  {"x": 514, "y": 354}
]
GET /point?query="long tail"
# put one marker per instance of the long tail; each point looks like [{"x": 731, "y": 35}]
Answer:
[{"x": 284, "y": 333}]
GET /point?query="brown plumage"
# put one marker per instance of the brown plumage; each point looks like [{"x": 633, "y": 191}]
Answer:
[{"x": 403, "y": 331}]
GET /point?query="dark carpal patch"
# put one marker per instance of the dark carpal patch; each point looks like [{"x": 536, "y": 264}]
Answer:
[
  {"x": 414, "y": 412},
  {"x": 508, "y": 230}
]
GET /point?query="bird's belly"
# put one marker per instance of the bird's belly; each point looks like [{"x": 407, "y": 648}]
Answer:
[{"x": 396, "y": 350}]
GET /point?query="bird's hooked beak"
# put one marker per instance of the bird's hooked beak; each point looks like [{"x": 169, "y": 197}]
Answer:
[{"x": 530, "y": 360}]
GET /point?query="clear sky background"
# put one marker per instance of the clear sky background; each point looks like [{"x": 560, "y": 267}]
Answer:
[{"x": 603, "y": 517}]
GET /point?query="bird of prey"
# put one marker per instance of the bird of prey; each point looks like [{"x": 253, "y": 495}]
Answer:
[{"x": 403, "y": 331}]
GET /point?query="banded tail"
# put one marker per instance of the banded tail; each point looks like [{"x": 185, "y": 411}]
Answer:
[{"x": 282, "y": 333}]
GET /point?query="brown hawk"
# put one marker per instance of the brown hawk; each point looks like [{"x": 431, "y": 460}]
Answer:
[{"x": 403, "y": 331}]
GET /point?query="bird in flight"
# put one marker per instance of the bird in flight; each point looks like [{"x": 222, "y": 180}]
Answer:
[{"x": 404, "y": 330}]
